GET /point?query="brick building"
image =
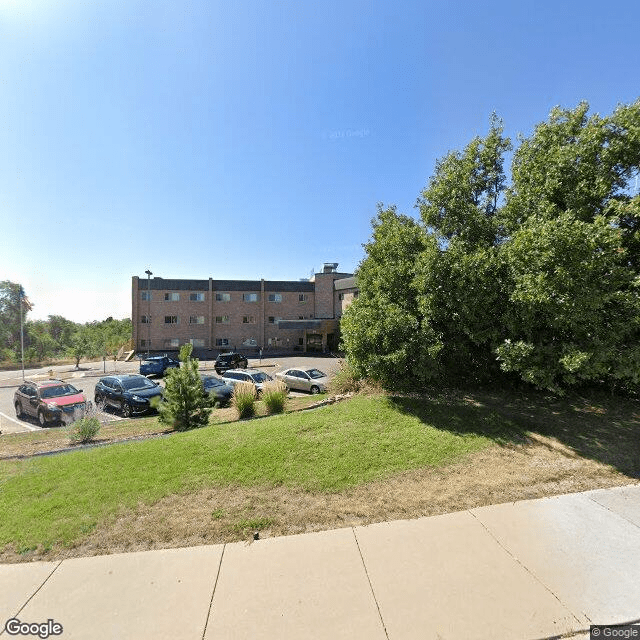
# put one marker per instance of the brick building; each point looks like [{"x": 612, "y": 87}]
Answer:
[{"x": 223, "y": 315}]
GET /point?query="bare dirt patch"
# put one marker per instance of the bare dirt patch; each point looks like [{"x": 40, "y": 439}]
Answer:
[{"x": 541, "y": 467}]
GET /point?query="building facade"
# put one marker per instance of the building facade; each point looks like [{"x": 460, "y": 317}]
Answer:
[{"x": 241, "y": 315}]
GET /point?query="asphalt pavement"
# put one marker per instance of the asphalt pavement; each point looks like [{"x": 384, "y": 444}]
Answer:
[
  {"x": 547, "y": 568},
  {"x": 86, "y": 377}
]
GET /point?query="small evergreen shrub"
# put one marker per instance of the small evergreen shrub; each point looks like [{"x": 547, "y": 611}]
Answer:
[
  {"x": 84, "y": 430},
  {"x": 274, "y": 394},
  {"x": 244, "y": 399},
  {"x": 186, "y": 405}
]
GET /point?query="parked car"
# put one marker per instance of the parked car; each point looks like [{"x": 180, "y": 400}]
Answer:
[
  {"x": 217, "y": 389},
  {"x": 312, "y": 380},
  {"x": 254, "y": 376},
  {"x": 129, "y": 394},
  {"x": 157, "y": 365},
  {"x": 49, "y": 401},
  {"x": 226, "y": 361}
]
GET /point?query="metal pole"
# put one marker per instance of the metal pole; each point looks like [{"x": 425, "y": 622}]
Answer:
[
  {"x": 149, "y": 274},
  {"x": 21, "y": 334}
]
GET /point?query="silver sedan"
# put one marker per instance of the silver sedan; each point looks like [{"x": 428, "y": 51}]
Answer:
[{"x": 312, "y": 380}]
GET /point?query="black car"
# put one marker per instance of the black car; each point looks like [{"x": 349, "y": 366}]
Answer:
[
  {"x": 129, "y": 394},
  {"x": 226, "y": 361},
  {"x": 157, "y": 365},
  {"x": 217, "y": 389}
]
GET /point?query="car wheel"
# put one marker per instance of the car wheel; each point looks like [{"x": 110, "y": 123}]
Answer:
[
  {"x": 41, "y": 419},
  {"x": 315, "y": 389},
  {"x": 126, "y": 410},
  {"x": 19, "y": 413}
]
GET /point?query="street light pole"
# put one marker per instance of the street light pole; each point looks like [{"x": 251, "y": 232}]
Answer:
[
  {"x": 21, "y": 332},
  {"x": 149, "y": 274}
]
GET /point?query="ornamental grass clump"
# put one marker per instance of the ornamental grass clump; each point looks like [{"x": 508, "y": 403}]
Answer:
[
  {"x": 244, "y": 399},
  {"x": 84, "y": 430},
  {"x": 274, "y": 395}
]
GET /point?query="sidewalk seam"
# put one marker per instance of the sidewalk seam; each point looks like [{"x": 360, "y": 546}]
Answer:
[
  {"x": 604, "y": 506},
  {"x": 384, "y": 627},
  {"x": 33, "y": 595},
  {"x": 531, "y": 573},
  {"x": 213, "y": 593}
]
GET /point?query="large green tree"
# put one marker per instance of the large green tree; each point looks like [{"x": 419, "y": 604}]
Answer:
[
  {"x": 13, "y": 302},
  {"x": 540, "y": 278}
]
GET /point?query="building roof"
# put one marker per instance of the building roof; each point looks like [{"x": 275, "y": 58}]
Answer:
[{"x": 163, "y": 284}]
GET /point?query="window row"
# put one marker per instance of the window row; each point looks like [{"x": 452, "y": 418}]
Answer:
[
  {"x": 172, "y": 297},
  {"x": 145, "y": 319},
  {"x": 220, "y": 297},
  {"x": 173, "y": 319}
]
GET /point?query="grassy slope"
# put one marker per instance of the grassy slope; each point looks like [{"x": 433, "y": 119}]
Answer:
[{"x": 60, "y": 498}]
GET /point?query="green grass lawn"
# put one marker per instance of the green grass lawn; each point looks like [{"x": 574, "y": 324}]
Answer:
[{"x": 58, "y": 499}]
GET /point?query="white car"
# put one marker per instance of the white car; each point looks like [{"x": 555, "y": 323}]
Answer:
[
  {"x": 312, "y": 380},
  {"x": 255, "y": 376}
]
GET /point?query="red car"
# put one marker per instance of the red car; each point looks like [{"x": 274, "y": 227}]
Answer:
[{"x": 50, "y": 401}]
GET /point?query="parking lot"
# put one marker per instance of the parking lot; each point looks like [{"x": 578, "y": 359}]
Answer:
[{"x": 90, "y": 372}]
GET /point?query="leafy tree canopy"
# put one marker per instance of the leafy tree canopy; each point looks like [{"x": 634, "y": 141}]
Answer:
[{"x": 538, "y": 278}]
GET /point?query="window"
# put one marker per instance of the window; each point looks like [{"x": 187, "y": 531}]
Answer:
[
  {"x": 172, "y": 297},
  {"x": 196, "y": 319},
  {"x": 173, "y": 342},
  {"x": 341, "y": 296},
  {"x": 197, "y": 342},
  {"x": 302, "y": 297},
  {"x": 275, "y": 297},
  {"x": 143, "y": 343},
  {"x": 301, "y": 341},
  {"x": 250, "y": 297},
  {"x": 222, "y": 319},
  {"x": 248, "y": 319},
  {"x": 145, "y": 319},
  {"x": 171, "y": 319},
  {"x": 222, "y": 342},
  {"x": 300, "y": 317},
  {"x": 145, "y": 295},
  {"x": 223, "y": 297},
  {"x": 196, "y": 297}
]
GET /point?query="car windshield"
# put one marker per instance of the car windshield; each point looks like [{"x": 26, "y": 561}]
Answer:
[
  {"x": 315, "y": 373},
  {"x": 260, "y": 377},
  {"x": 210, "y": 381},
  {"x": 58, "y": 390},
  {"x": 137, "y": 383},
  {"x": 149, "y": 362}
]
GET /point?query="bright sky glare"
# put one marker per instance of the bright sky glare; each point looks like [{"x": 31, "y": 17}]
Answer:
[{"x": 252, "y": 139}]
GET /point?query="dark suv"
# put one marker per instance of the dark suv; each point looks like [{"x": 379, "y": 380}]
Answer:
[
  {"x": 226, "y": 361},
  {"x": 128, "y": 393},
  {"x": 157, "y": 365},
  {"x": 50, "y": 401}
]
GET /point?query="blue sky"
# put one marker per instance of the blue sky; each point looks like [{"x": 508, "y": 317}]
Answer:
[{"x": 253, "y": 139}]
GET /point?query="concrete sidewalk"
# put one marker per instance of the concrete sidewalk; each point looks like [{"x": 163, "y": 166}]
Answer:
[{"x": 528, "y": 570}]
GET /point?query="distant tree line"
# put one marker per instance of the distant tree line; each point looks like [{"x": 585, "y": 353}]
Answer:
[
  {"x": 534, "y": 277},
  {"x": 56, "y": 337}
]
